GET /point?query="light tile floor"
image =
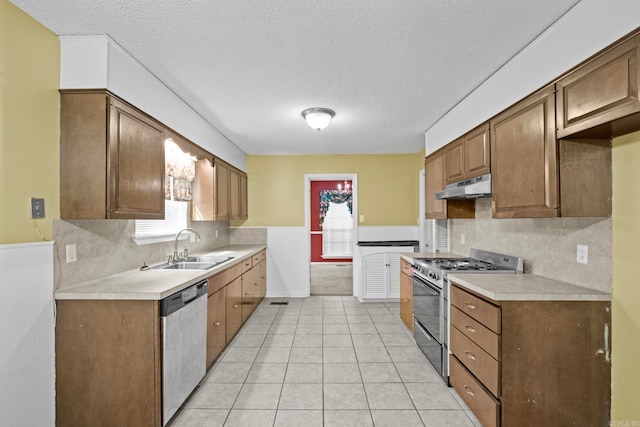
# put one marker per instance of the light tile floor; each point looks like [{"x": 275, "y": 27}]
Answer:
[{"x": 323, "y": 361}]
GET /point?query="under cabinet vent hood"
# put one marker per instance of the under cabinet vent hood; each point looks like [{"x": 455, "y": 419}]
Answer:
[{"x": 473, "y": 188}]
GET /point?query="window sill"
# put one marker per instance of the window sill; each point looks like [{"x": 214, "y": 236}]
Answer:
[{"x": 148, "y": 240}]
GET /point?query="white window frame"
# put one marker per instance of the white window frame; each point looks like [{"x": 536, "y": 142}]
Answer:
[{"x": 176, "y": 218}]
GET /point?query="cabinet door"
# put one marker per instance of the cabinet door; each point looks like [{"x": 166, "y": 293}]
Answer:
[
  {"x": 601, "y": 91},
  {"x": 434, "y": 176},
  {"x": 263, "y": 278},
  {"x": 221, "y": 189},
  {"x": 244, "y": 206},
  {"x": 375, "y": 276},
  {"x": 524, "y": 159},
  {"x": 392, "y": 263},
  {"x": 216, "y": 325},
  {"x": 406, "y": 300},
  {"x": 250, "y": 290},
  {"x": 202, "y": 204},
  {"x": 454, "y": 158},
  {"x": 477, "y": 149},
  {"x": 234, "y": 194},
  {"x": 234, "y": 307},
  {"x": 136, "y": 165}
]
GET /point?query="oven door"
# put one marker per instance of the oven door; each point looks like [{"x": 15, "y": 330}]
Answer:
[
  {"x": 427, "y": 307},
  {"x": 431, "y": 348}
]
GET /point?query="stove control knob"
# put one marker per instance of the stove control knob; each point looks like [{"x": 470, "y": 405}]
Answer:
[{"x": 436, "y": 276}]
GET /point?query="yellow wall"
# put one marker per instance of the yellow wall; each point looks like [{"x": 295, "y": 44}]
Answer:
[
  {"x": 625, "y": 381},
  {"x": 29, "y": 124},
  {"x": 387, "y": 187}
]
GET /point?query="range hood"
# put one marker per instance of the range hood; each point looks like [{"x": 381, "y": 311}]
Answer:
[{"x": 473, "y": 188}]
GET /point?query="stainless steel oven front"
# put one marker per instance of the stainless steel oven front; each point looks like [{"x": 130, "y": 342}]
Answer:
[{"x": 430, "y": 322}]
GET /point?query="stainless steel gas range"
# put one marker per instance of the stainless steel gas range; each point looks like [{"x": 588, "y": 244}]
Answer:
[{"x": 431, "y": 298}]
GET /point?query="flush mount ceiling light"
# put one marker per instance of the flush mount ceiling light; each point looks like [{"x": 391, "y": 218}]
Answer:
[{"x": 318, "y": 118}]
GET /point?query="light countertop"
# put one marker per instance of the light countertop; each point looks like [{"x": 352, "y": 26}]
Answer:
[
  {"x": 153, "y": 284},
  {"x": 525, "y": 287}
]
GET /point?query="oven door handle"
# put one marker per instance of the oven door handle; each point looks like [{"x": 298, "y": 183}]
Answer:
[{"x": 434, "y": 290}]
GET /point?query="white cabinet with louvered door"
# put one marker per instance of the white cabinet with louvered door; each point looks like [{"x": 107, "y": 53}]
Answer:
[{"x": 381, "y": 272}]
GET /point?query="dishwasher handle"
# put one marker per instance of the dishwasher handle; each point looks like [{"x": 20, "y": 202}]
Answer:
[{"x": 175, "y": 302}]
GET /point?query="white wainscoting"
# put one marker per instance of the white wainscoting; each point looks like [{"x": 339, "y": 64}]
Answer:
[
  {"x": 288, "y": 266},
  {"x": 27, "y": 352}
]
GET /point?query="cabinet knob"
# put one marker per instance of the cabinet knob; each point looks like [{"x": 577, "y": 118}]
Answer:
[
  {"x": 235, "y": 306},
  {"x": 247, "y": 294},
  {"x": 469, "y": 391},
  {"x": 406, "y": 300},
  {"x": 470, "y": 355},
  {"x": 470, "y": 306},
  {"x": 216, "y": 324},
  {"x": 470, "y": 329}
]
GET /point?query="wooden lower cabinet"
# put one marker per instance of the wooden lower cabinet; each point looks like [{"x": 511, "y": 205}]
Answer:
[
  {"x": 531, "y": 363},
  {"x": 234, "y": 308},
  {"x": 406, "y": 294},
  {"x": 216, "y": 325},
  {"x": 108, "y": 363},
  {"x": 250, "y": 291}
]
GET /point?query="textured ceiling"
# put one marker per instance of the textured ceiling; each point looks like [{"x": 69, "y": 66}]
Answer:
[{"x": 389, "y": 69}]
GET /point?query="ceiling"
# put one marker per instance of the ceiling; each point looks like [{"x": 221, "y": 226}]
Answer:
[{"x": 389, "y": 69}]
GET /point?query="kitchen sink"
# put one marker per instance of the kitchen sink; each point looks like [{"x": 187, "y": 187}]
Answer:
[{"x": 194, "y": 263}]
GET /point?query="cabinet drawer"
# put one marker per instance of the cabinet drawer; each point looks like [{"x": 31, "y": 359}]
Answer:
[
  {"x": 480, "y": 401},
  {"x": 405, "y": 267},
  {"x": 259, "y": 257},
  {"x": 477, "y": 308},
  {"x": 246, "y": 265},
  {"x": 476, "y": 332},
  {"x": 222, "y": 279},
  {"x": 478, "y": 361}
]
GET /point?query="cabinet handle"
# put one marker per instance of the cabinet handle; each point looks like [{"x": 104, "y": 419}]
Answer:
[
  {"x": 470, "y": 355},
  {"x": 469, "y": 391},
  {"x": 470, "y": 329},
  {"x": 235, "y": 306},
  {"x": 406, "y": 300},
  {"x": 470, "y": 306},
  {"x": 216, "y": 324}
]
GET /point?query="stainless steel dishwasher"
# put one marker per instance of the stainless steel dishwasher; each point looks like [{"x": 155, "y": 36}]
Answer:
[{"x": 184, "y": 345}]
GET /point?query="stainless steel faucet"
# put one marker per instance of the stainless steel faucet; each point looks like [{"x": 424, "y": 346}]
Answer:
[{"x": 186, "y": 251}]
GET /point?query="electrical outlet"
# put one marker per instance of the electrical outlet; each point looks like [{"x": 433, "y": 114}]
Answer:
[
  {"x": 361, "y": 218},
  {"x": 462, "y": 238},
  {"x": 71, "y": 253},
  {"x": 36, "y": 208},
  {"x": 582, "y": 255},
  {"x": 216, "y": 233}
]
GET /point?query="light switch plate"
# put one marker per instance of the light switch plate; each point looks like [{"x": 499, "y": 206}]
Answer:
[
  {"x": 71, "y": 253},
  {"x": 582, "y": 254},
  {"x": 36, "y": 207},
  {"x": 361, "y": 218}
]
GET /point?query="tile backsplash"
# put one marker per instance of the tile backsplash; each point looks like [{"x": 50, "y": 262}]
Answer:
[
  {"x": 547, "y": 245},
  {"x": 105, "y": 247}
]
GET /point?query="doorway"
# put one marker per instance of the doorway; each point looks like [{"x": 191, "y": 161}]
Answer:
[{"x": 331, "y": 225}]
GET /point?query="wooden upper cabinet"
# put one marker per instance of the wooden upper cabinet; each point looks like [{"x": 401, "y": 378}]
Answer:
[
  {"x": 244, "y": 205},
  {"x": 524, "y": 159},
  {"x": 434, "y": 176},
  {"x": 221, "y": 190},
  {"x": 136, "y": 164},
  {"x": 593, "y": 100},
  {"x": 468, "y": 156},
  {"x": 234, "y": 194},
  {"x": 477, "y": 149},
  {"x": 454, "y": 161},
  {"x": 202, "y": 203},
  {"x": 111, "y": 159}
]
